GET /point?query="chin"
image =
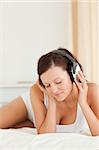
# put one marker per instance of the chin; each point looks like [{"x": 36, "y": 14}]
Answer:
[{"x": 60, "y": 99}]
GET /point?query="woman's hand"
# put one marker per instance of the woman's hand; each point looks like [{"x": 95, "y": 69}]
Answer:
[
  {"x": 82, "y": 88},
  {"x": 41, "y": 88},
  {"x": 50, "y": 98}
]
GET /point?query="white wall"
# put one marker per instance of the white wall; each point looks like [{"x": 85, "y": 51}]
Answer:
[
  {"x": 27, "y": 30},
  {"x": 97, "y": 58}
]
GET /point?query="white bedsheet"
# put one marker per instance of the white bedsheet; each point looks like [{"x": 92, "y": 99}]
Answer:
[{"x": 27, "y": 139}]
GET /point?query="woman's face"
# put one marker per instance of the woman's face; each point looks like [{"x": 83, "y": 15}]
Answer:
[{"x": 57, "y": 83}]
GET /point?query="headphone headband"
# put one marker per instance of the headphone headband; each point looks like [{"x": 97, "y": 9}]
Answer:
[
  {"x": 74, "y": 63},
  {"x": 64, "y": 54}
]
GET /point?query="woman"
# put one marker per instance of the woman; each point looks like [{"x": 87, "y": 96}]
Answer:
[{"x": 61, "y": 101}]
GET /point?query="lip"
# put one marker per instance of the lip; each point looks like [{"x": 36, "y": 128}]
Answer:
[{"x": 58, "y": 94}]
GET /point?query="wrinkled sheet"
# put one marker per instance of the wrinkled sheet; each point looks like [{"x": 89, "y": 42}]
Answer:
[{"x": 27, "y": 139}]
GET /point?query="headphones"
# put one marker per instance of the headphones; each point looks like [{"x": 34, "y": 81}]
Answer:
[{"x": 74, "y": 66}]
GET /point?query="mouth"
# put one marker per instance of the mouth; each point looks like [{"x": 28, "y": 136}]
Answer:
[{"x": 58, "y": 94}]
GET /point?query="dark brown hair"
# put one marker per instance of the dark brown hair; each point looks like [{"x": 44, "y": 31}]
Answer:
[{"x": 46, "y": 61}]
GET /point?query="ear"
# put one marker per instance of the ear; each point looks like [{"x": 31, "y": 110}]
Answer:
[{"x": 41, "y": 88}]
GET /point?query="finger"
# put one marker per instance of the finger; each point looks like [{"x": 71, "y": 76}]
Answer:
[
  {"x": 81, "y": 77},
  {"x": 78, "y": 84},
  {"x": 41, "y": 88}
]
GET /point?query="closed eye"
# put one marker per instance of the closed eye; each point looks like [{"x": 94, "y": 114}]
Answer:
[
  {"x": 59, "y": 82},
  {"x": 47, "y": 86}
]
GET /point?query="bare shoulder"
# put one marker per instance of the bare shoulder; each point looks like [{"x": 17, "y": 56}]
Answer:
[
  {"x": 36, "y": 93},
  {"x": 93, "y": 97},
  {"x": 93, "y": 89}
]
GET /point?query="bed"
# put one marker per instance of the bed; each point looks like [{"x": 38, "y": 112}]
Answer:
[{"x": 28, "y": 139}]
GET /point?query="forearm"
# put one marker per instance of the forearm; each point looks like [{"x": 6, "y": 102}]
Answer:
[
  {"x": 49, "y": 124},
  {"x": 92, "y": 120}
]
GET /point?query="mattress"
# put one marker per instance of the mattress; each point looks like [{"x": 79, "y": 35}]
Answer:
[{"x": 28, "y": 139}]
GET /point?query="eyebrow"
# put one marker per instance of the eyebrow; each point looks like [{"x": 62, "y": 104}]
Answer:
[{"x": 53, "y": 80}]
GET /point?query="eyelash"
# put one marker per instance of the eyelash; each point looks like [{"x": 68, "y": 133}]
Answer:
[
  {"x": 56, "y": 83},
  {"x": 59, "y": 82}
]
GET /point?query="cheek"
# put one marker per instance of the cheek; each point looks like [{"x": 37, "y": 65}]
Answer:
[{"x": 67, "y": 86}]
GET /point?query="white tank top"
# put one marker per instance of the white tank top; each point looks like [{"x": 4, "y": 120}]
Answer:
[{"x": 79, "y": 126}]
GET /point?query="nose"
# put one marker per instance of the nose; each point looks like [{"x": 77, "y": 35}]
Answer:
[{"x": 54, "y": 89}]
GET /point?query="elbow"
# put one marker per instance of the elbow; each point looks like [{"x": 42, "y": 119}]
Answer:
[
  {"x": 95, "y": 131},
  {"x": 45, "y": 131},
  {"x": 95, "y": 134},
  {"x": 40, "y": 132}
]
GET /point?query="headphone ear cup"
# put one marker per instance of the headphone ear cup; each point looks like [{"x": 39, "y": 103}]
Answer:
[
  {"x": 74, "y": 72},
  {"x": 76, "y": 69},
  {"x": 71, "y": 73}
]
